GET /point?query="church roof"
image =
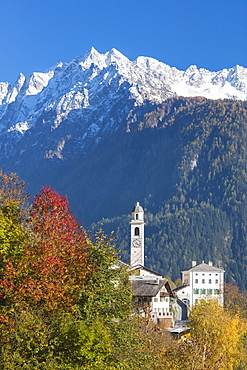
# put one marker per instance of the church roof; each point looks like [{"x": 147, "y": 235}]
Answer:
[{"x": 137, "y": 208}]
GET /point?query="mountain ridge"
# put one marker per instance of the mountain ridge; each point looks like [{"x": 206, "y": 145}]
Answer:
[
  {"x": 93, "y": 91},
  {"x": 149, "y": 79}
]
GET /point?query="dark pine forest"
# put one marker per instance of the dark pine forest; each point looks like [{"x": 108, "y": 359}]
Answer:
[{"x": 188, "y": 157}]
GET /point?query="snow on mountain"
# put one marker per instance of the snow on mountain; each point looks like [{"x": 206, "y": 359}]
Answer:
[
  {"x": 96, "y": 92},
  {"x": 3, "y": 90},
  {"x": 16, "y": 89}
]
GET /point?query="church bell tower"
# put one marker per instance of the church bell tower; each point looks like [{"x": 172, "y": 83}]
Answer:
[{"x": 137, "y": 236}]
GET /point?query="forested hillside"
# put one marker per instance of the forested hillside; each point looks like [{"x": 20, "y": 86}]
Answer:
[{"x": 192, "y": 172}]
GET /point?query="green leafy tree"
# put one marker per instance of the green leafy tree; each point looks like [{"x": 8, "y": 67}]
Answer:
[
  {"x": 27, "y": 343},
  {"x": 14, "y": 209},
  {"x": 13, "y": 234},
  {"x": 138, "y": 344},
  {"x": 107, "y": 290},
  {"x": 82, "y": 345}
]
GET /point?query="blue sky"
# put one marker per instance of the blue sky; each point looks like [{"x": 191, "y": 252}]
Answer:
[{"x": 36, "y": 34}]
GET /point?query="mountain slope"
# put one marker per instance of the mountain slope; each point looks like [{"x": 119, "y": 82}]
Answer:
[
  {"x": 108, "y": 131},
  {"x": 193, "y": 165}
]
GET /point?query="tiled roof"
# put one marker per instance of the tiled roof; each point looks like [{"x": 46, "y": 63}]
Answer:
[
  {"x": 205, "y": 267},
  {"x": 147, "y": 288}
]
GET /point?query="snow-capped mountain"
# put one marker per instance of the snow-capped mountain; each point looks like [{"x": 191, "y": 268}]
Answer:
[
  {"x": 97, "y": 90},
  {"x": 65, "y": 112}
]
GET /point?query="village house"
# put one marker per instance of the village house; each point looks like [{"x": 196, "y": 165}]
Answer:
[{"x": 201, "y": 281}]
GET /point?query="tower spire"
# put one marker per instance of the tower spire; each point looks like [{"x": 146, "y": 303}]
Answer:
[{"x": 137, "y": 236}]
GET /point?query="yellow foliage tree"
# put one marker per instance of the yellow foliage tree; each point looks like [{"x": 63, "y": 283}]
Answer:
[
  {"x": 215, "y": 336},
  {"x": 215, "y": 340},
  {"x": 13, "y": 190}
]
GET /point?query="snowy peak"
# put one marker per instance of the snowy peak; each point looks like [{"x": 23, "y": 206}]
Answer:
[
  {"x": 4, "y": 86},
  {"x": 16, "y": 88},
  {"x": 92, "y": 56},
  {"x": 114, "y": 56},
  {"x": 37, "y": 82}
]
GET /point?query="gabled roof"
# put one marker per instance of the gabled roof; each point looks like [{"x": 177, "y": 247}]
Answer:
[
  {"x": 146, "y": 287},
  {"x": 141, "y": 267},
  {"x": 205, "y": 267},
  {"x": 180, "y": 287}
]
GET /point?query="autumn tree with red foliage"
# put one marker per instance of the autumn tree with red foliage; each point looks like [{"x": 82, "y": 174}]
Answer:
[{"x": 51, "y": 272}]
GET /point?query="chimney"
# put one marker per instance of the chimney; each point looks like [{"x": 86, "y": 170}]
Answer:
[
  {"x": 193, "y": 263},
  {"x": 210, "y": 263}
]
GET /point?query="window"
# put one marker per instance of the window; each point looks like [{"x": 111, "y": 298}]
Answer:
[
  {"x": 156, "y": 300},
  {"x": 216, "y": 281},
  {"x": 203, "y": 281},
  {"x": 137, "y": 216},
  {"x": 196, "y": 281},
  {"x": 137, "y": 231},
  {"x": 210, "y": 291},
  {"x": 209, "y": 281},
  {"x": 196, "y": 291},
  {"x": 203, "y": 291}
]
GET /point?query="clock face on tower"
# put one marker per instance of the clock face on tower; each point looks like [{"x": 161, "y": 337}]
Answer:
[{"x": 136, "y": 243}]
